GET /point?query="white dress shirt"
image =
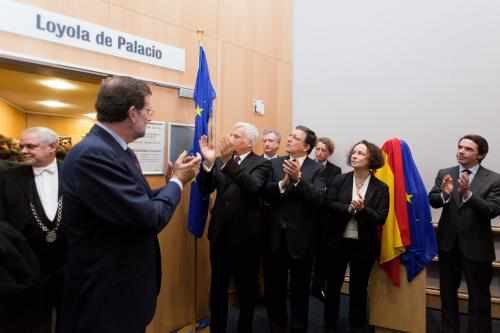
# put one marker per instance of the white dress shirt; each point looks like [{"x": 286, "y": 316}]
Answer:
[
  {"x": 47, "y": 186},
  {"x": 351, "y": 230}
]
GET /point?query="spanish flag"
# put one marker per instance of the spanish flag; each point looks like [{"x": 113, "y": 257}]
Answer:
[{"x": 395, "y": 234}]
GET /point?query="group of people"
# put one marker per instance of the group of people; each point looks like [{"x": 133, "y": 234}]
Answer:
[{"x": 93, "y": 221}]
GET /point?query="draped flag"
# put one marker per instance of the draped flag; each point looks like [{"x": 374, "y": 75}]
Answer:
[
  {"x": 423, "y": 239},
  {"x": 391, "y": 243},
  {"x": 403, "y": 237},
  {"x": 204, "y": 94}
]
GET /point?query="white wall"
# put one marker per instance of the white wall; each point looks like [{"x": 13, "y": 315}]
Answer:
[{"x": 425, "y": 71}]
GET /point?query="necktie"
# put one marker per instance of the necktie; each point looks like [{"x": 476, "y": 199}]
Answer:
[
  {"x": 134, "y": 159},
  {"x": 237, "y": 159},
  {"x": 467, "y": 171}
]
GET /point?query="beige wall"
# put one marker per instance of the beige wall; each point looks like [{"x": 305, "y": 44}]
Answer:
[
  {"x": 76, "y": 128},
  {"x": 12, "y": 121},
  {"x": 248, "y": 45}
]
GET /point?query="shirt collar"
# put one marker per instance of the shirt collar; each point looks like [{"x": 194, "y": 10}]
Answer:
[
  {"x": 50, "y": 168},
  {"x": 299, "y": 159},
  {"x": 267, "y": 157},
  {"x": 473, "y": 170},
  {"x": 115, "y": 136},
  {"x": 322, "y": 163},
  {"x": 243, "y": 156}
]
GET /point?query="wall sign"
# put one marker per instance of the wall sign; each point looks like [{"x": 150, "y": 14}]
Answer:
[
  {"x": 150, "y": 149},
  {"x": 38, "y": 23}
]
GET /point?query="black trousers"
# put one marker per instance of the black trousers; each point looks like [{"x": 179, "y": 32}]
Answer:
[
  {"x": 240, "y": 262},
  {"x": 31, "y": 310},
  {"x": 478, "y": 277},
  {"x": 279, "y": 267},
  {"x": 360, "y": 259}
]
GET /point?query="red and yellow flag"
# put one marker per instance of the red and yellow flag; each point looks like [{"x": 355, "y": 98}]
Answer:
[{"x": 395, "y": 234}]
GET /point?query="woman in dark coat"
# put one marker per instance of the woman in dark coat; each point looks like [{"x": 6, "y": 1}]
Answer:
[{"x": 359, "y": 203}]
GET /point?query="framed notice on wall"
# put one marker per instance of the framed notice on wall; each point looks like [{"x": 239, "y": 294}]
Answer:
[
  {"x": 180, "y": 138},
  {"x": 150, "y": 149}
]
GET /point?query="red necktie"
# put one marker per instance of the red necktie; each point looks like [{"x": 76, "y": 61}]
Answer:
[{"x": 134, "y": 159}]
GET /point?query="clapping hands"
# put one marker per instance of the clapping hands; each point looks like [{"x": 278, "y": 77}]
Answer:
[{"x": 186, "y": 167}]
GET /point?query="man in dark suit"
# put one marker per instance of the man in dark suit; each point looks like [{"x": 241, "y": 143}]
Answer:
[
  {"x": 323, "y": 151},
  {"x": 113, "y": 274},
  {"x": 294, "y": 191},
  {"x": 235, "y": 230},
  {"x": 31, "y": 202},
  {"x": 469, "y": 196}
]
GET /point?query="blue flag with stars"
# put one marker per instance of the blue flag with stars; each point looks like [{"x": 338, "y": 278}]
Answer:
[
  {"x": 423, "y": 240},
  {"x": 204, "y": 94}
]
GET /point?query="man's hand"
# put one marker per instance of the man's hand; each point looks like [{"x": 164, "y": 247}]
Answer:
[
  {"x": 463, "y": 184},
  {"x": 169, "y": 171},
  {"x": 226, "y": 149},
  {"x": 292, "y": 169},
  {"x": 207, "y": 150},
  {"x": 447, "y": 184},
  {"x": 186, "y": 167}
]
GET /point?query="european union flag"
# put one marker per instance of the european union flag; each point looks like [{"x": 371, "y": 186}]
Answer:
[
  {"x": 423, "y": 240},
  {"x": 204, "y": 94}
]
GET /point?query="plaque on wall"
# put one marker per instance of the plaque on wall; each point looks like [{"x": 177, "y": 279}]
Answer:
[{"x": 150, "y": 149}]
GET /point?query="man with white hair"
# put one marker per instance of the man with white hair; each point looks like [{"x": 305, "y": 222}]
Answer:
[
  {"x": 235, "y": 231},
  {"x": 31, "y": 202}
]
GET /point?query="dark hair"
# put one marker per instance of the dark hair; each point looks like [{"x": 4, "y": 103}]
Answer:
[
  {"x": 310, "y": 137},
  {"x": 117, "y": 94},
  {"x": 482, "y": 144},
  {"x": 375, "y": 155},
  {"x": 328, "y": 143}
]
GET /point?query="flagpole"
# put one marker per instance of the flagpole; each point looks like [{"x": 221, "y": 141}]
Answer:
[{"x": 199, "y": 34}]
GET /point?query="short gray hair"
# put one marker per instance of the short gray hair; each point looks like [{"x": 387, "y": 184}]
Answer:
[
  {"x": 272, "y": 131},
  {"x": 45, "y": 134},
  {"x": 250, "y": 130}
]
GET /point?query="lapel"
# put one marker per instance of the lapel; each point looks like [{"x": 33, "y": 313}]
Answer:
[
  {"x": 455, "y": 194},
  {"x": 278, "y": 167},
  {"x": 27, "y": 182},
  {"x": 478, "y": 180},
  {"x": 371, "y": 189},
  {"x": 347, "y": 187},
  {"x": 124, "y": 156},
  {"x": 307, "y": 167},
  {"x": 248, "y": 162},
  {"x": 136, "y": 172}
]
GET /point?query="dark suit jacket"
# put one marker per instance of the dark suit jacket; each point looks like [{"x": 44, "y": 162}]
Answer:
[
  {"x": 113, "y": 273},
  {"x": 237, "y": 210},
  {"x": 329, "y": 172},
  {"x": 468, "y": 223},
  {"x": 296, "y": 208},
  {"x": 373, "y": 215},
  {"x": 17, "y": 190}
]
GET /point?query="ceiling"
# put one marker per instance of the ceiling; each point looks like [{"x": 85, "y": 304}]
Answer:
[{"x": 24, "y": 90}]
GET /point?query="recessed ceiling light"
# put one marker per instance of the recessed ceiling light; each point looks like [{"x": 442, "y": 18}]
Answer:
[
  {"x": 91, "y": 115},
  {"x": 58, "y": 84},
  {"x": 53, "y": 104}
]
